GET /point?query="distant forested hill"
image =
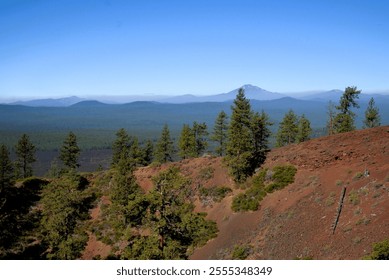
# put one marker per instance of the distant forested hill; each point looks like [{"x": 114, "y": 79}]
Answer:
[{"x": 95, "y": 123}]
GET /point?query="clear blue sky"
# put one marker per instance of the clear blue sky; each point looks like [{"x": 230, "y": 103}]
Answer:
[{"x": 80, "y": 47}]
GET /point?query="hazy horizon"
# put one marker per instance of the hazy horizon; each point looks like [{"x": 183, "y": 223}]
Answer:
[{"x": 156, "y": 97}]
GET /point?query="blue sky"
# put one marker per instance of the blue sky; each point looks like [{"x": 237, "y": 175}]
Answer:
[{"x": 85, "y": 48}]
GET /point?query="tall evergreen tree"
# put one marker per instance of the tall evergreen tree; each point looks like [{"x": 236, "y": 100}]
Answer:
[
  {"x": 173, "y": 226},
  {"x": 70, "y": 152},
  {"x": 25, "y": 152},
  {"x": 200, "y": 133},
  {"x": 187, "y": 142},
  {"x": 239, "y": 146},
  {"x": 164, "y": 148},
  {"x": 127, "y": 148},
  {"x": 288, "y": 129},
  {"x": 261, "y": 133},
  {"x": 135, "y": 152},
  {"x": 344, "y": 120},
  {"x": 148, "y": 151},
  {"x": 304, "y": 129},
  {"x": 6, "y": 183},
  {"x": 65, "y": 205},
  {"x": 6, "y": 172},
  {"x": 372, "y": 115},
  {"x": 124, "y": 183},
  {"x": 120, "y": 145},
  {"x": 220, "y": 133},
  {"x": 331, "y": 113},
  {"x": 128, "y": 205}
]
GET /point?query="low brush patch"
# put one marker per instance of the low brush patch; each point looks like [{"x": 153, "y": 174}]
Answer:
[
  {"x": 279, "y": 177},
  {"x": 213, "y": 194}
]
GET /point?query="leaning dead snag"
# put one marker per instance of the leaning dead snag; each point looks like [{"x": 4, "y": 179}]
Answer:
[{"x": 339, "y": 210}]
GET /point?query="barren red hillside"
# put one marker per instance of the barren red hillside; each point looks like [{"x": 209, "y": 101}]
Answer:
[{"x": 296, "y": 222}]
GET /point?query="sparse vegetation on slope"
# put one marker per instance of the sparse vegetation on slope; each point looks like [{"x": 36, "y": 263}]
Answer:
[
  {"x": 267, "y": 181},
  {"x": 295, "y": 222},
  {"x": 215, "y": 194}
]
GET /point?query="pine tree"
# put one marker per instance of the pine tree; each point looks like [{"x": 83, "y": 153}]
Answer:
[
  {"x": 25, "y": 152},
  {"x": 239, "y": 146},
  {"x": 331, "y": 112},
  {"x": 200, "y": 133},
  {"x": 128, "y": 205},
  {"x": 120, "y": 145},
  {"x": 172, "y": 225},
  {"x": 6, "y": 215},
  {"x": 6, "y": 172},
  {"x": 220, "y": 131},
  {"x": 124, "y": 183},
  {"x": 127, "y": 148},
  {"x": 135, "y": 155},
  {"x": 288, "y": 129},
  {"x": 372, "y": 115},
  {"x": 70, "y": 152},
  {"x": 147, "y": 152},
  {"x": 304, "y": 129},
  {"x": 261, "y": 132},
  {"x": 65, "y": 205},
  {"x": 164, "y": 147},
  {"x": 187, "y": 142},
  {"x": 344, "y": 120}
]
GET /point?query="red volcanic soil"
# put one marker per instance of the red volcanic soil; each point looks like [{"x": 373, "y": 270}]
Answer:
[
  {"x": 95, "y": 247},
  {"x": 296, "y": 222}
]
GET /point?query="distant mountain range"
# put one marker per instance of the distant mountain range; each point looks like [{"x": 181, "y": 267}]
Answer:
[
  {"x": 51, "y": 102},
  {"x": 252, "y": 92}
]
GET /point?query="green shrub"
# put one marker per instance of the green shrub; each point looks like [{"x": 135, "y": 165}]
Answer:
[
  {"x": 364, "y": 220},
  {"x": 249, "y": 200},
  {"x": 243, "y": 202},
  {"x": 284, "y": 175},
  {"x": 358, "y": 176},
  {"x": 206, "y": 173},
  {"x": 353, "y": 197},
  {"x": 215, "y": 193},
  {"x": 241, "y": 252},
  {"x": 380, "y": 251},
  {"x": 259, "y": 179},
  {"x": 155, "y": 164},
  {"x": 273, "y": 187}
]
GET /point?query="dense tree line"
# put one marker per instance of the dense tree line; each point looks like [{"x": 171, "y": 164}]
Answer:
[
  {"x": 293, "y": 129},
  {"x": 193, "y": 142},
  {"x": 341, "y": 118}
]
